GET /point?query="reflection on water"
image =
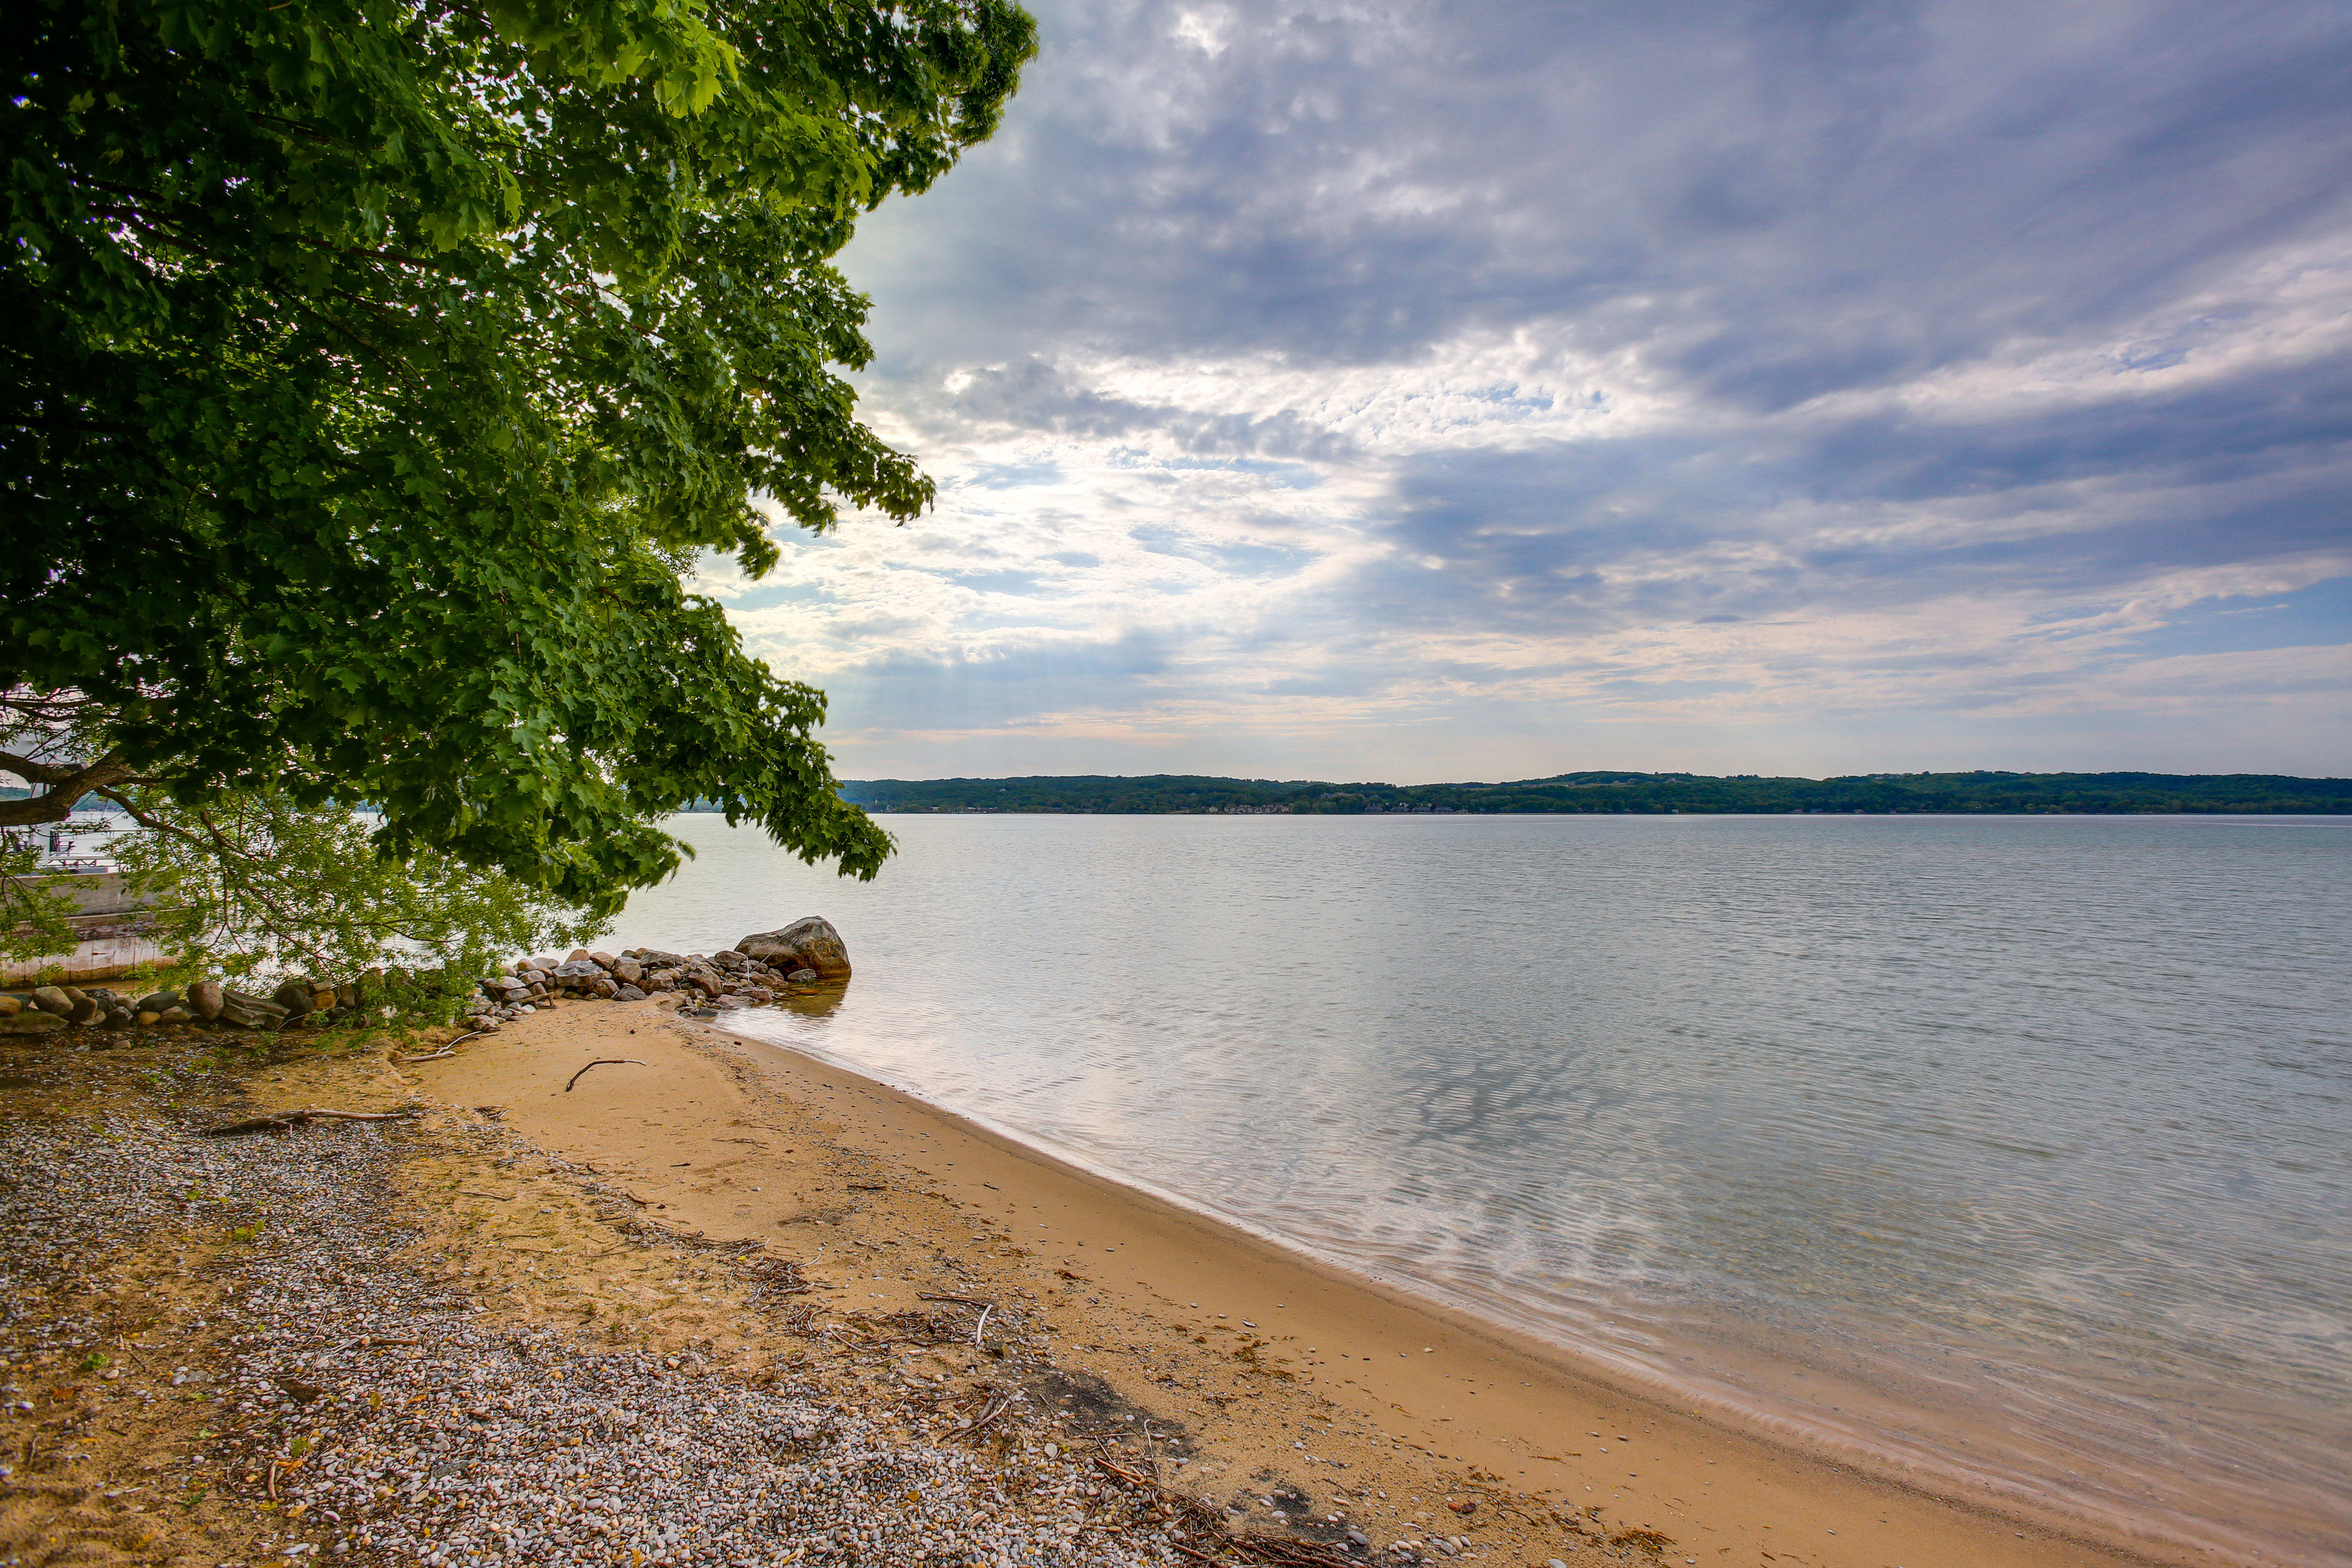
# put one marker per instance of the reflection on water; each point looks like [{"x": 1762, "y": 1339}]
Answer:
[{"x": 2015, "y": 1146}]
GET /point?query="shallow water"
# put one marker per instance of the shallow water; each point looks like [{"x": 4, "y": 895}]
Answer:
[{"x": 2018, "y": 1148}]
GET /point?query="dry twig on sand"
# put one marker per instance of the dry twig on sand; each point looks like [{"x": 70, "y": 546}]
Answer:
[
  {"x": 445, "y": 1050},
  {"x": 996, "y": 1407},
  {"x": 602, "y": 1062}
]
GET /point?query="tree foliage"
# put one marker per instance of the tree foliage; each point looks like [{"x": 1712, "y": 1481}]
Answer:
[
  {"x": 374, "y": 367},
  {"x": 252, "y": 882}
]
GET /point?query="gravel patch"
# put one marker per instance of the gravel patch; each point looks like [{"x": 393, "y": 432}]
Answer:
[{"x": 351, "y": 1406}]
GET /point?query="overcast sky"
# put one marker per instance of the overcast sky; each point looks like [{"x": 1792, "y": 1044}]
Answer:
[{"x": 1482, "y": 391}]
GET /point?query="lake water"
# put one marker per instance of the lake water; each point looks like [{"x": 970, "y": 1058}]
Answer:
[{"x": 2016, "y": 1148}]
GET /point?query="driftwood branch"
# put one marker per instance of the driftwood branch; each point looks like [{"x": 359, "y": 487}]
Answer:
[
  {"x": 286, "y": 1120},
  {"x": 602, "y": 1062},
  {"x": 447, "y": 1050}
]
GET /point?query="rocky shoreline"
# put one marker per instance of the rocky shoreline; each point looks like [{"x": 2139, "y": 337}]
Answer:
[
  {"x": 795, "y": 959},
  {"x": 792, "y": 961}
]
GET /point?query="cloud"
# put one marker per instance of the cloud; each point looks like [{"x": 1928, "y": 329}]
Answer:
[{"x": 1374, "y": 384}]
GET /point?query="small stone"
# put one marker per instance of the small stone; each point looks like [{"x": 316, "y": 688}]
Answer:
[
  {"x": 31, "y": 1021},
  {"x": 148, "y": 1019},
  {"x": 10, "y": 1006},
  {"x": 205, "y": 999},
  {"x": 178, "y": 1015}
]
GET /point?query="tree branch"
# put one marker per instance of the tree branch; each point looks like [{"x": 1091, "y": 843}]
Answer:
[{"x": 66, "y": 786}]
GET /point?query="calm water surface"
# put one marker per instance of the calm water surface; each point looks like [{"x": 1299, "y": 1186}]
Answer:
[{"x": 2019, "y": 1148}]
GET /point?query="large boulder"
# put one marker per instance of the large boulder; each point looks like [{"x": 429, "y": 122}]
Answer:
[
  {"x": 809, "y": 943},
  {"x": 247, "y": 1012}
]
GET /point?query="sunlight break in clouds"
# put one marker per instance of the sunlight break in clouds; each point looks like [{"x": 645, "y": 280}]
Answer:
[{"x": 1486, "y": 391}]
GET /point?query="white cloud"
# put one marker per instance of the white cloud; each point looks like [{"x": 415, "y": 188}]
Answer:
[{"x": 1374, "y": 389}]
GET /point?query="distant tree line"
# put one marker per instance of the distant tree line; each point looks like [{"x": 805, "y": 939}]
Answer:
[{"x": 1618, "y": 793}]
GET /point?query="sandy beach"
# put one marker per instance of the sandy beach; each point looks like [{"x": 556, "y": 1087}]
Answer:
[
  {"x": 1268, "y": 1375},
  {"x": 723, "y": 1241}
]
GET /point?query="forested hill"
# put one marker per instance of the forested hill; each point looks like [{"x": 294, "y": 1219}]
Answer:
[
  {"x": 1626, "y": 792},
  {"x": 1606, "y": 792}
]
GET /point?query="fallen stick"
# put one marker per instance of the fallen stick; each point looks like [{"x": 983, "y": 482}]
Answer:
[
  {"x": 1129, "y": 1477},
  {"x": 966, "y": 1300},
  {"x": 602, "y": 1062},
  {"x": 997, "y": 1407},
  {"x": 286, "y": 1121},
  {"x": 981, "y": 1327},
  {"x": 445, "y": 1050}
]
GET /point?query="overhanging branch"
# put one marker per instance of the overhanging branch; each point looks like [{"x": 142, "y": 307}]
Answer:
[{"x": 66, "y": 784}]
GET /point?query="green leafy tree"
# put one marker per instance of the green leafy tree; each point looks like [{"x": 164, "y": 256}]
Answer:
[
  {"x": 252, "y": 882},
  {"x": 35, "y": 911},
  {"x": 376, "y": 368}
]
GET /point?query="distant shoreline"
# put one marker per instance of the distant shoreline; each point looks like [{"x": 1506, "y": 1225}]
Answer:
[
  {"x": 1977, "y": 794},
  {"x": 1980, "y": 793}
]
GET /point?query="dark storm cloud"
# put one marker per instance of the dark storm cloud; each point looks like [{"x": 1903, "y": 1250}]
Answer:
[{"x": 1773, "y": 200}]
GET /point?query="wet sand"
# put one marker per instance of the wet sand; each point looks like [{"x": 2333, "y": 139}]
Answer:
[{"x": 1266, "y": 1374}]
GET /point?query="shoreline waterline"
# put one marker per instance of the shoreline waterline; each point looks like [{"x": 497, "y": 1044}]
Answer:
[
  {"x": 1985, "y": 1144},
  {"x": 1591, "y": 1372}
]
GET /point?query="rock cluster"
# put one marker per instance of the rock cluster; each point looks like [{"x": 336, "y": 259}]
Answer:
[
  {"x": 793, "y": 961},
  {"x": 304, "y": 1002}
]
